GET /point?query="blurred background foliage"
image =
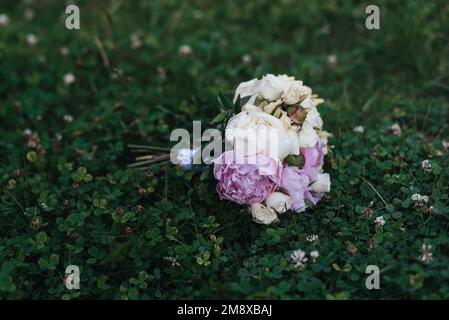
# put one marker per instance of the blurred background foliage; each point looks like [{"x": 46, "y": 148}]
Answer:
[{"x": 143, "y": 68}]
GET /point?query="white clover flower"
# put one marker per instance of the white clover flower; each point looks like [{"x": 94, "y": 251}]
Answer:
[
  {"x": 64, "y": 51},
  {"x": 69, "y": 78},
  {"x": 68, "y": 118},
  {"x": 247, "y": 59},
  {"x": 31, "y": 39},
  {"x": 396, "y": 129},
  {"x": 185, "y": 50},
  {"x": 312, "y": 238},
  {"x": 332, "y": 60},
  {"x": 445, "y": 144},
  {"x": 380, "y": 221},
  {"x": 314, "y": 254},
  {"x": 424, "y": 199},
  {"x": 299, "y": 258},
  {"x": 359, "y": 129},
  {"x": 426, "y": 255},
  {"x": 416, "y": 197},
  {"x": 4, "y": 19},
  {"x": 426, "y": 164},
  {"x": 58, "y": 136}
]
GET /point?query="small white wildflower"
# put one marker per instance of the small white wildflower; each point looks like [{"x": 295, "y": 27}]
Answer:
[
  {"x": 299, "y": 258},
  {"x": 68, "y": 118},
  {"x": 247, "y": 59},
  {"x": 359, "y": 129},
  {"x": 332, "y": 60},
  {"x": 427, "y": 255},
  {"x": 69, "y": 78},
  {"x": 185, "y": 50},
  {"x": 31, "y": 39},
  {"x": 64, "y": 51},
  {"x": 426, "y": 164},
  {"x": 424, "y": 199},
  {"x": 29, "y": 13},
  {"x": 431, "y": 208},
  {"x": 27, "y": 132},
  {"x": 4, "y": 20},
  {"x": 416, "y": 197},
  {"x": 312, "y": 238},
  {"x": 380, "y": 220},
  {"x": 58, "y": 137},
  {"x": 445, "y": 144},
  {"x": 396, "y": 129},
  {"x": 314, "y": 255}
]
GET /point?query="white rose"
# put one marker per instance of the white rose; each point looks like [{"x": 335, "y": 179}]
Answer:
[
  {"x": 313, "y": 119},
  {"x": 292, "y": 93},
  {"x": 322, "y": 183},
  {"x": 272, "y": 87},
  {"x": 258, "y": 132},
  {"x": 307, "y": 103},
  {"x": 279, "y": 202},
  {"x": 308, "y": 137},
  {"x": 262, "y": 214},
  {"x": 248, "y": 88}
]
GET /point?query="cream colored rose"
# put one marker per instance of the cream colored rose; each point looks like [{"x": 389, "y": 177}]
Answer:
[
  {"x": 292, "y": 93},
  {"x": 272, "y": 87},
  {"x": 254, "y": 131},
  {"x": 248, "y": 88},
  {"x": 262, "y": 214},
  {"x": 279, "y": 202},
  {"x": 324, "y": 139},
  {"x": 313, "y": 119},
  {"x": 322, "y": 183},
  {"x": 308, "y": 137}
]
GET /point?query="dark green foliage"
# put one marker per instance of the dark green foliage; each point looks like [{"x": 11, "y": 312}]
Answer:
[{"x": 66, "y": 196}]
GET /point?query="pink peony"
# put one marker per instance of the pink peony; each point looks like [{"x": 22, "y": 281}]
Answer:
[
  {"x": 249, "y": 180},
  {"x": 296, "y": 182},
  {"x": 313, "y": 157}
]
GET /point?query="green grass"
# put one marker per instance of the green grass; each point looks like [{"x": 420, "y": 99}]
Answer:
[{"x": 58, "y": 206}]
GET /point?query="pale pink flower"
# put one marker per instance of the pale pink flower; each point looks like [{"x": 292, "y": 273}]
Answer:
[{"x": 246, "y": 179}]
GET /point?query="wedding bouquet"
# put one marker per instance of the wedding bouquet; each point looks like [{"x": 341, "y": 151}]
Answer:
[
  {"x": 285, "y": 174},
  {"x": 274, "y": 148}
]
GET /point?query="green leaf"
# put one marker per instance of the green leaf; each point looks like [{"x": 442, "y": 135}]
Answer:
[
  {"x": 295, "y": 160},
  {"x": 220, "y": 117},
  {"x": 225, "y": 105}
]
